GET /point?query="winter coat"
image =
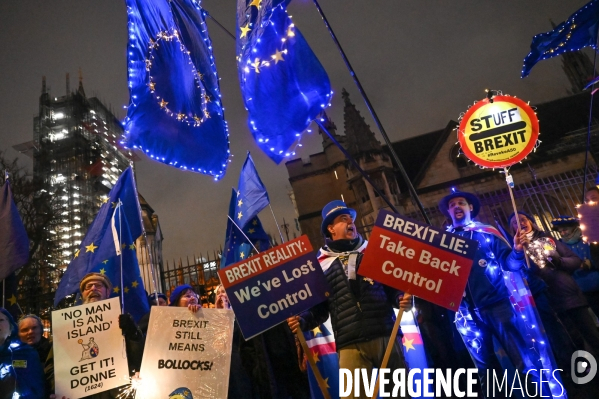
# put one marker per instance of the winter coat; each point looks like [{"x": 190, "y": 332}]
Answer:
[
  {"x": 360, "y": 310},
  {"x": 563, "y": 292},
  {"x": 20, "y": 371}
]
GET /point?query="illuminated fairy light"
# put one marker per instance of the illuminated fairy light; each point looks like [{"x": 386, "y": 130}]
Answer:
[
  {"x": 129, "y": 390},
  {"x": 255, "y": 65},
  {"x": 190, "y": 119},
  {"x": 540, "y": 250}
]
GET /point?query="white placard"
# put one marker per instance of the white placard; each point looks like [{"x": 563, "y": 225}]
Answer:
[
  {"x": 187, "y": 355},
  {"x": 89, "y": 349}
]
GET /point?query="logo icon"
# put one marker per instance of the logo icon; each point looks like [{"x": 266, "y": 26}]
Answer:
[{"x": 583, "y": 367}]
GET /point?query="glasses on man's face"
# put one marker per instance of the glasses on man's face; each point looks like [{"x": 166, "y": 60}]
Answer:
[{"x": 89, "y": 286}]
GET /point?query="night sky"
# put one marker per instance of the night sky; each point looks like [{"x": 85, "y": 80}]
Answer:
[{"x": 421, "y": 63}]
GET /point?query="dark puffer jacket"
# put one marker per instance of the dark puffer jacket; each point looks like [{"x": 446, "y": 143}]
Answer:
[{"x": 360, "y": 309}]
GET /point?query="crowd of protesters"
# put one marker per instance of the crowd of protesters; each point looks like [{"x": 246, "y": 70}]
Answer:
[{"x": 564, "y": 285}]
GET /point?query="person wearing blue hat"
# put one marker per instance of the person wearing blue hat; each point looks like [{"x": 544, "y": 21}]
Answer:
[
  {"x": 486, "y": 311},
  {"x": 21, "y": 373},
  {"x": 361, "y": 309},
  {"x": 185, "y": 296},
  {"x": 157, "y": 299}
]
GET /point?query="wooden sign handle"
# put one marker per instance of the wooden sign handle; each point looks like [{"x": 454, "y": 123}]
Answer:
[{"x": 321, "y": 382}]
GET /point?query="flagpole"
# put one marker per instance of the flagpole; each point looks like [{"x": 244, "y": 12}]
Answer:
[
  {"x": 375, "y": 116},
  {"x": 121, "y": 257},
  {"x": 143, "y": 229},
  {"x": 3, "y": 292},
  {"x": 206, "y": 13},
  {"x": 246, "y": 237},
  {"x": 277, "y": 223},
  {"x": 588, "y": 148}
]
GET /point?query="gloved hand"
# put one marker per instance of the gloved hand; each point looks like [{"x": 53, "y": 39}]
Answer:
[{"x": 127, "y": 325}]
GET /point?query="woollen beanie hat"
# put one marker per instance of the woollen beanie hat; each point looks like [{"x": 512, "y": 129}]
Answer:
[
  {"x": 177, "y": 292},
  {"x": 96, "y": 276}
]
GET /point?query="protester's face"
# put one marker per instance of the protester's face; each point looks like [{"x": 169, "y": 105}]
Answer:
[
  {"x": 566, "y": 231},
  {"x": 4, "y": 328},
  {"x": 188, "y": 298},
  {"x": 343, "y": 228},
  {"x": 525, "y": 224},
  {"x": 592, "y": 196},
  {"x": 459, "y": 209},
  {"x": 94, "y": 291},
  {"x": 30, "y": 331}
]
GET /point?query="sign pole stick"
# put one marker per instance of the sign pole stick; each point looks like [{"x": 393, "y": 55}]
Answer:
[
  {"x": 321, "y": 382},
  {"x": 387, "y": 352},
  {"x": 510, "y": 183}
]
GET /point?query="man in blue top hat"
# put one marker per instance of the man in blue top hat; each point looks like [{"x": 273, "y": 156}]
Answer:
[
  {"x": 361, "y": 309},
  {"x": 485, "y": 311}
]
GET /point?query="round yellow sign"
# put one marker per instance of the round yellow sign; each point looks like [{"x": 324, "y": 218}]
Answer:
[{"x": 498, "y": 132}]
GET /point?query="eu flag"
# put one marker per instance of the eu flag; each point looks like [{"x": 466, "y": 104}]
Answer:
[
  {"x": 413, "y": 348},
  {"x": 322, "y": 345},
  {"x": 251, "y": 195},
  {"x": 14, "y": 243},
  {"x": 110, "y": 243},
  {"x": 284, "y": 86},
  {"x": 578, "y": 31},
  {"x": 175, "y": 115},
  {"x": 237, "y": 246}
]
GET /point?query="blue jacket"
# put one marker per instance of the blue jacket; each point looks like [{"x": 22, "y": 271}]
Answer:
[
  {"x": 20, "y": 371},
  {"x": 485, "y": 284}
]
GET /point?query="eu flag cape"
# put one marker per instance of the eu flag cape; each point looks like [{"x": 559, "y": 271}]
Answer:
[
  {"x": 175, "y": 115},
  {"x": 284, "y": 86}
]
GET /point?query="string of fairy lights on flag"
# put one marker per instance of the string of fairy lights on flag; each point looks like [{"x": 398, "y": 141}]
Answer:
[
  {"x": 168, "y": 50},
  {"x": 251, "y": 66},
  {"x": 179, "y": 116}
]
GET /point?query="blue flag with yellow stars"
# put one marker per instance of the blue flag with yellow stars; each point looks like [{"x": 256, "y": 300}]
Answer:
[
  {"x": 175, "y": 115},
  {"x": 251, "y": 194},
  {"x": 578, "y": 31},
  {"x": 284, "y": 86},
  {"x": 14, "y": 243},
  {"x": 322, "y": 345},
  {"x": 110, "y": 243},
  {"x": 237, "y": 247}
]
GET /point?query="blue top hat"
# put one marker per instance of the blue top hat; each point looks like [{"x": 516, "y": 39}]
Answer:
[
  {"x": 331, "y": 211},
  {"x": 471, "y": 198}
]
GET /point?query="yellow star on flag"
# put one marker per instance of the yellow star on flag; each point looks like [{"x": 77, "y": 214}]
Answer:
[
  {"x": 116, "y": 290},
  {"x": 102, "y": 271},
  {"x": 77, "y": 253},
  {"x": 180, "y": 116},
  {"x": 132, "y": 246},
  {"x": 251, "y": 231},
  {"x": 113, "y": 204},
  {"x": 315, "y": 354},
  {"x": 326, "y": 381},
  {"x": 105, "y": 261},
  {"x": 242, "y": 255},
  {"x": 152, "y": 86},
  {"x": 162, "y": 103},
  {"x": 90, "y": 248},
  {"x": 126, "y": 289},
  {"x": 240, "y": 203},
  {"x": 255, "y": 222},
  {"x": 12, "y": 299},
  {"x": 239, "y": 215},
  {"x": 244, "y": 30},
  {"x": 256, "y": 3},
  {"x": 256, "y": 65},
  {"x": 134, "y": 284},
  {"x": 105, "y": 200},
  {"x": 408, "y": 344},
  {"x": 278, "y": 56},
  {"x": 316, "y": 330}
]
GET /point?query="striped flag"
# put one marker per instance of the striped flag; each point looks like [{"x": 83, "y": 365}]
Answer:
[
  {"x": 322, "y": 345},
  {"x": 413, "y": 348}
]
